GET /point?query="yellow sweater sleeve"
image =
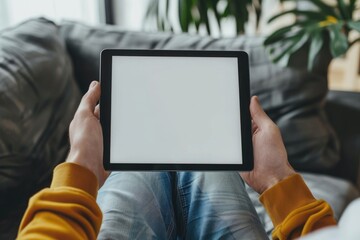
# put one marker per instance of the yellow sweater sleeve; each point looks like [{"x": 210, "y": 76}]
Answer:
[
  {"x": 293, "y": 209},
  {"x": 66, "y": 210}
]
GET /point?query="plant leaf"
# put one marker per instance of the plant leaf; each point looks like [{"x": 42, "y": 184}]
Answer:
[
  {"x": 309, "y": 25},
  {"x": 166, "y": 15},
  {"x": 216, "y": 13},
  {"x": 258, "y": 11},
  {"x": 184, "y": 14},
  {"x": 277, "y": 35},
  {"x": 354, "y": 25},
  {"x": 203, "y": 8},
  {"x": 338, "y": 40},
  {"x": 323, "y": 7},
  {"x": 151, "y": 11},
  {"x": 241, "y": 14},
  {"x": 343, "y": 9},
  {"x": 294, "y": 43},
  {"x": 316, "y": 44},
  {"x": 158, "y": 19},
  {"x": 352, "y": 6},
  {"x": 226, "y": 11},
  {"x": 309, "y": 14}
]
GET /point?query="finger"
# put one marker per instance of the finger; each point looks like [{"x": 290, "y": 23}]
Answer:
[
  {"x": 91, "y": 98},
  {"x": 257, "y": 113},
  {"x": 97, "y": 111}
]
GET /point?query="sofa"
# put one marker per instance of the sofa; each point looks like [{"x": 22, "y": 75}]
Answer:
[{"x": 45, "y": 68}]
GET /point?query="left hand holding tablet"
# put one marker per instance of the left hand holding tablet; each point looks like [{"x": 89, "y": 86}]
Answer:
[{"x": 86, "y": 138}]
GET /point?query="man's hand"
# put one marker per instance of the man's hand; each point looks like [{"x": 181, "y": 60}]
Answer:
[
  {"x": 270, "y": 158},
  {"x": 86, "y": 138}
]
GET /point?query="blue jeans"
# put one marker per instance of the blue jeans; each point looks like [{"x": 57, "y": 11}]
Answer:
[{"x": 182, "y": 205}]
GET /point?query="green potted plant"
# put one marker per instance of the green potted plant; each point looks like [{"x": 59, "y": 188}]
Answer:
[
  {"x": 325, "y": 21},
  {"x": 197, "y": 13},
  {"x": 324, "y": 26}
]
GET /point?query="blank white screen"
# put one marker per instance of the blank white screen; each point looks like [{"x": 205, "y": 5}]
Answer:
[{"x": 175, "y": 110}]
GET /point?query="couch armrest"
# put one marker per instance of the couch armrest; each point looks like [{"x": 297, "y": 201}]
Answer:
[{"x": 343, "y": 110}]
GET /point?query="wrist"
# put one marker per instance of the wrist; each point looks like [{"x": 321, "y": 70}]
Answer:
[
  {"x": 274, "y": 180},
  {"x": 77, "y": 157}
]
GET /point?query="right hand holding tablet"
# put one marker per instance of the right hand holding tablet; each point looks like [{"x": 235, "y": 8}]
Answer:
[{"x": 270, "y": 158}]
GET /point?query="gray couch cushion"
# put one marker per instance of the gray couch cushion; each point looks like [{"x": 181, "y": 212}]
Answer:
[
  {"x": 38, "y": 97},
  {"x": 291, "y": 96}
]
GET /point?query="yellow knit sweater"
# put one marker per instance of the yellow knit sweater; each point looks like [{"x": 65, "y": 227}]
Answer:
[{"x": 68, "y": 210}]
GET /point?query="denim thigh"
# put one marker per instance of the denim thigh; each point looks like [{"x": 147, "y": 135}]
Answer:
[
  {"x": 215, "y": 205},
  {"x": 137, "y": 205},
  {"x": 211, "y": 205}
]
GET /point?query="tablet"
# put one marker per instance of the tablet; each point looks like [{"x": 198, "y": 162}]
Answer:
[{"x": 167, "y": 110}]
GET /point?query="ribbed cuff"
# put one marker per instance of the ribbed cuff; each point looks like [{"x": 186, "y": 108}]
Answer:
[
  {"x": 76, "y": 176},
  {"x": 286, "y": 196}
]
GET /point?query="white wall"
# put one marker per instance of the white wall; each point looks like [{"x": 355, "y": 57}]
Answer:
[
  {"x": 129, "y": 14},
  {"x": 14, "y": 11}
]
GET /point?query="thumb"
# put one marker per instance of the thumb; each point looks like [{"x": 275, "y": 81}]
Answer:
[
  {"x": 91, "y": 98},
  {"x": 257, "y": 113}
]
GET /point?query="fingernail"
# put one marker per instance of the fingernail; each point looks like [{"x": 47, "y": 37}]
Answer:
[{"x": 93, "y": 84}]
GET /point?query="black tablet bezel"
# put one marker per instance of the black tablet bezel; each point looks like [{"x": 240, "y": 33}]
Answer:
[{"x": 244, "y": 93}]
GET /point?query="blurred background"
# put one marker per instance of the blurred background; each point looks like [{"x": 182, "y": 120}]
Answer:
[
  {"x": 44, "y": 70},
  {"x": 136, "y": 15}
]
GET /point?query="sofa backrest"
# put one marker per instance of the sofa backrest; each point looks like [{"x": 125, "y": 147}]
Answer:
[{"x": 292, "y": 96}]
